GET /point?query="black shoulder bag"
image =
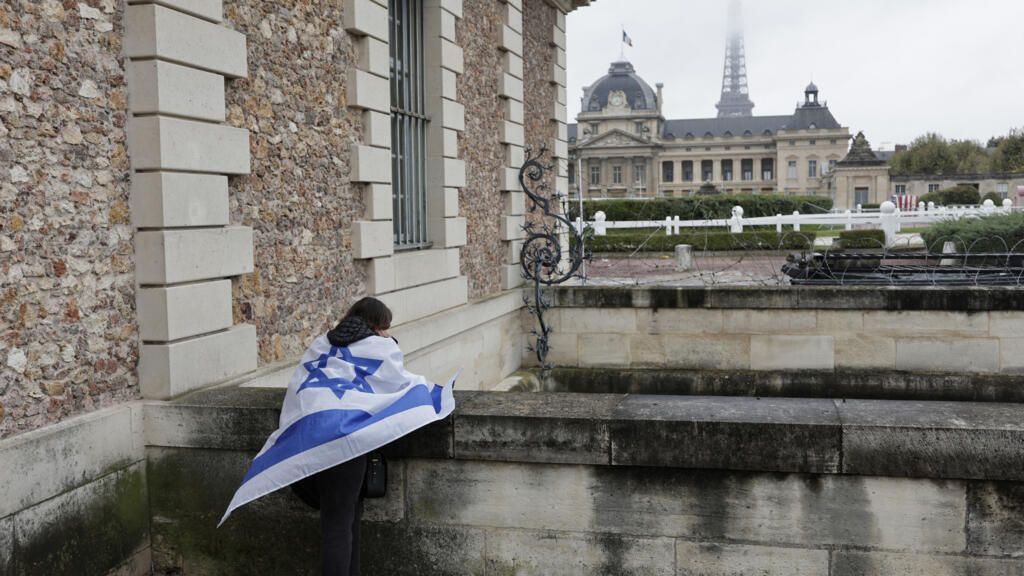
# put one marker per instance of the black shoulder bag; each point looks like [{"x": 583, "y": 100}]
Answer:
[{"x": 375, "y": 483}]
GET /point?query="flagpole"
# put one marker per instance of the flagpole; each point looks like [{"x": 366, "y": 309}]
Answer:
[{"x": 622, "y": 44}]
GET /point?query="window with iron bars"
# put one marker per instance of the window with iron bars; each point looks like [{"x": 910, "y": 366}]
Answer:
[{"x": 408, "y": 125}]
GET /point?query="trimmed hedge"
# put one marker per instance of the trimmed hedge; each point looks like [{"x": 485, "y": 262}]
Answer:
[
  {"x": 996, "y": 233},
  {"x": 631, "y": 240},
  {"x": 951, "y": 196},
  {"x": 699, "y": 207},
  {"x": 861, "y": 239},
  {"x": 994, "y": 197}
]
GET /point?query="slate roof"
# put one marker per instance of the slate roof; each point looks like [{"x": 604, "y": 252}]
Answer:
[
  {"x": 697, "y": 128},
  {"x": 621, "y": 76}
]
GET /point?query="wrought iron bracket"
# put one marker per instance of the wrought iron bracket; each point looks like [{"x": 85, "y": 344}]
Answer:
[{"x": 541, "y": 256}]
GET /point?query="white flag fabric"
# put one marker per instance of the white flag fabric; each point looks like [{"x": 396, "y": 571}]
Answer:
[{"x": 342, "y": 402}]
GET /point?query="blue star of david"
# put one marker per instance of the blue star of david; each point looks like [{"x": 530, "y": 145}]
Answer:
[{"x": 317, "y": 379}]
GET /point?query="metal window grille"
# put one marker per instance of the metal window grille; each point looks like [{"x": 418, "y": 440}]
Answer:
[{"x": 408, "y": 125}]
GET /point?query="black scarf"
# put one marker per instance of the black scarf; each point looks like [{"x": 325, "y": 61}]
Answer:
[{"x": 349, "y": 330}]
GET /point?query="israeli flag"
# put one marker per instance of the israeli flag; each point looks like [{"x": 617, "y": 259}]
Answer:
[{"x": 342, "y": 402}]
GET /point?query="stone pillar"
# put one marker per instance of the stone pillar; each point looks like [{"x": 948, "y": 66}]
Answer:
[
  {"x": 182, "y": 153},
  {"x": 513, "y": 138},
  {"x": 684, "y": 257}
]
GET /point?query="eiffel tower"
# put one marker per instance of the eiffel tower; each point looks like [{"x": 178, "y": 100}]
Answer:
[{"x": 735, "y": 101}]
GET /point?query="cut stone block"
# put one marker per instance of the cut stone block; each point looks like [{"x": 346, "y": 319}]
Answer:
[
  {"x": 424, "y": 266},
  {"x": 792, "y": 352},
  {"x": 513, "y": 17},
  {"x": 713, "y": 559},
  {"x": 212, "y": 10},
  {"x": 513, "y": 64},
  {"x": 111, "y": 517},
  {"x": 63, "y": 456},
  {"x": 511, "y": 276},
  {"x": 380, "y": 275},
  {"x": 168, "y": 370},
  {"x": 511, "y": 133},
  {"x": 511, "y": 40},
  {"x": 558, "y": 37},
  {"x": 445, "y": 173},
  {"x": 366, "y": 18},
  {"x": 376, "y": 129},
  {"x": 368, "y": 91},
  {"x": 173, "y": 256},
  {"x": 159, "y": 87},
  {"x": 370, "y": 164},
  {"x": 373, "y": 56},
  {"x": 515, "y": 203},
  {"x": 539, "y": 552},
  {"x": 174, "y": 312},
  {"x": 445, "y": 204},
  {"x": 947, "y": 354},
  {"x": 157, "y": 32},
  {"x": 177, "y": 199},
  {"x": 372, "y": 238},
  {"x": 448, "y": 232},
  {"x": 162, "y": 143},
  {"x": 378, "y": 200},
  {"x": 454, "y": 115},
  {"x": 511, "y": 87},
  {"x": 414, "y": 303},
  {"x": 512, "y": 228}
]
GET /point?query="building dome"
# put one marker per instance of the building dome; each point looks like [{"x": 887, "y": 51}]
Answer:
[
  {"x": 811, "y": 88},
  {"x": 621, "y": 77}
]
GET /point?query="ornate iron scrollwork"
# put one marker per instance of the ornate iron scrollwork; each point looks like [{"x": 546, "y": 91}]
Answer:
[{"x": 541, "y": 256}]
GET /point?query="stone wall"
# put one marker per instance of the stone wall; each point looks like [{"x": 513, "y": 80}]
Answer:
[
  {"x": 68, "y": 336},
  {"x": 298, "y": 199},
  {"x": 480, "y": 201},
  {"x": 74, "y": 498},
  {"x": 543, "y": 483},
  {"x": 952, "y": 331},
  {"x": 539, "y": 93}
]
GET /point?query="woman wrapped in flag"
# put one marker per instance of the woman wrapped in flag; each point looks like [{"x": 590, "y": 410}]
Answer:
[{"x": 349, "y": 395}]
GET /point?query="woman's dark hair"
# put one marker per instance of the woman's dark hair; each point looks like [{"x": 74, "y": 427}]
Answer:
[{"x": 376, "y": 314}]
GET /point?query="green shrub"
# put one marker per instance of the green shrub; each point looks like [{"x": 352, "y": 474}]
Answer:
[
  {"x": 996, "y": 233},
  {"x": 700, "y": 207},
  {"x": 861, "y": 239},
  {"x": 870, "y": 206},
  {"x": 962, "y": 194},
  {"x": 994, "y": 197},
  {"x": 645, "y": 241}
]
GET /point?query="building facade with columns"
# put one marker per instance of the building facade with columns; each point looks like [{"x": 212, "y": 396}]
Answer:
[
  {"x": 623, "y": 146},
  {"x": 193, "y": 190}
]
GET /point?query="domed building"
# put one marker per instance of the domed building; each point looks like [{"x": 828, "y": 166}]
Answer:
[{"x": 623, "y": 146}]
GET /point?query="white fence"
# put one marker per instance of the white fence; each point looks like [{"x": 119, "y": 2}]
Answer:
[{"x": 888, "y": 218}]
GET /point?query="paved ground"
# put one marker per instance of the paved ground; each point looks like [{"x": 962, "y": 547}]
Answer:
[
  {"x": 709, "y": 269},
  {"x": 706, "y": 271}
]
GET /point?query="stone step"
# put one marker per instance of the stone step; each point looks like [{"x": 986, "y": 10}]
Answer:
[
  {"x": 927, "y": 439},
  {"x": 841, "y": 383}
]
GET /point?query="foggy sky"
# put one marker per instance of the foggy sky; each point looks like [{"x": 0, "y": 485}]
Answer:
[{"x": 892, "y": 68}]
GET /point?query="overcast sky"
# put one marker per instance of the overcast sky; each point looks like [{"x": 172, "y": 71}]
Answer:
[{"x": 892, "y": 68}]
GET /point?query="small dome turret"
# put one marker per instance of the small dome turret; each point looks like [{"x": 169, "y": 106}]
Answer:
[{"x": 622, "y": 78}]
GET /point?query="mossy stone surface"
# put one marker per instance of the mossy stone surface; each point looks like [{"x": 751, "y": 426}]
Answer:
[{"x": 88, "y": 531}]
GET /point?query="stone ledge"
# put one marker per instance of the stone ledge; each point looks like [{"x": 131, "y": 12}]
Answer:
[
  {"x": 880, "y": 438},
  {"x": 804, "y": 298},
  {"x": 867, "y": 384}
]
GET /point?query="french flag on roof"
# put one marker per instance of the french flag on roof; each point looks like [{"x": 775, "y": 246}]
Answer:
[{"x": 626, "y": 38}]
